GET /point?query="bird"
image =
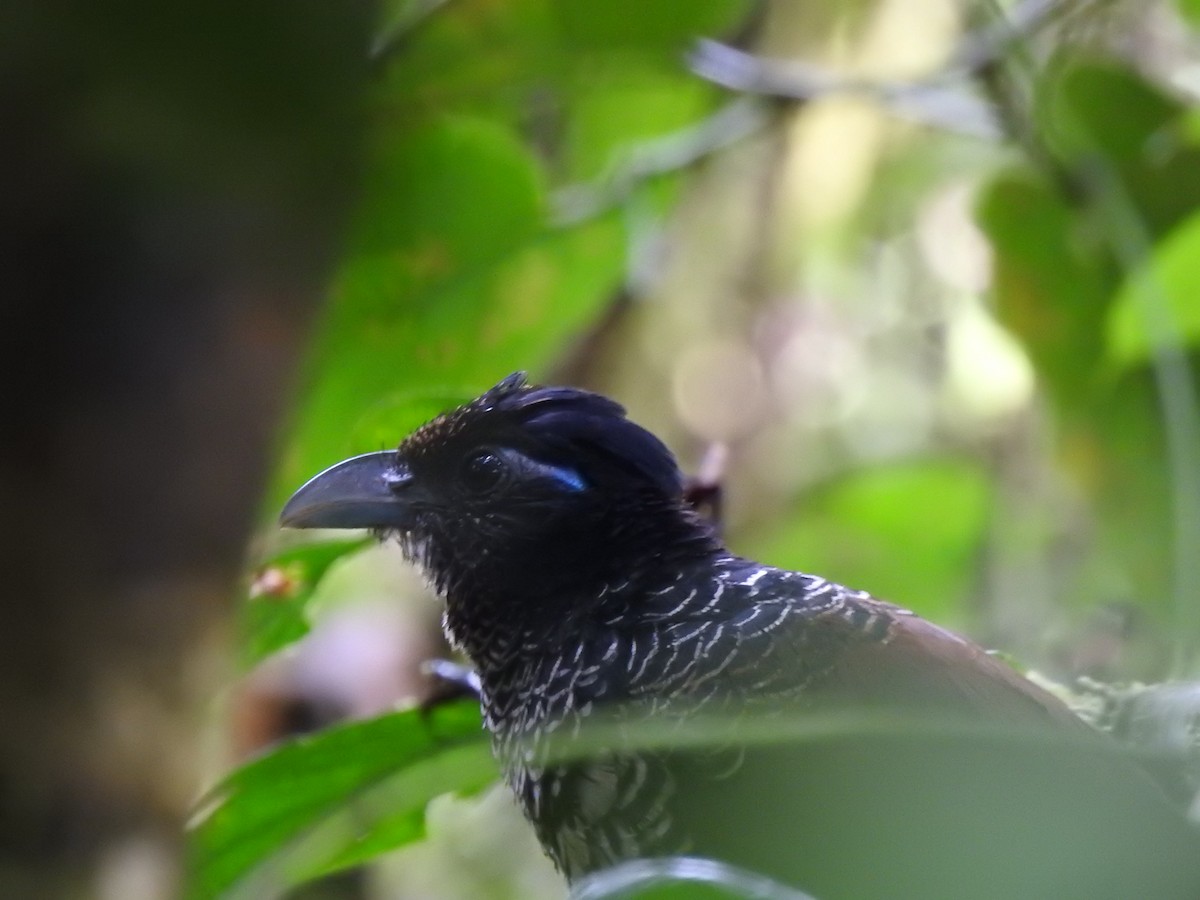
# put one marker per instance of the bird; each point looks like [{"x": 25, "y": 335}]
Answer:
[{"x": 584, "y": 588}]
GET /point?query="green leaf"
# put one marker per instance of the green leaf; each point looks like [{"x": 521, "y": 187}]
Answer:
[
  {"x": 394, "y": 416},
  {"x": 463, "y": 337},
  {"x": 518, "y": 62},
  {"x": 1052, "y": 281},
  {"x": 1112, "y": 127},
  {"x": 448, "y": 198},
  {"x": 275, "y": 612},
  {"x": 663, "y": 27},
  {"x": 1099, "y": 107},
  {"x": 616, "y": 104},
  {"x": 466, "y": 295},
  {"x": 1164, "y": 294},
  {"x": 1055, "y": 264},
  {"x": 931, "y": 514},
  {"x": 334, "y": 798},
  {"x": 476, "y": 57}
]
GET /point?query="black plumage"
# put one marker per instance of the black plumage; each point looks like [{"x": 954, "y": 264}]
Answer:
[{"x": 582, "y": 586}]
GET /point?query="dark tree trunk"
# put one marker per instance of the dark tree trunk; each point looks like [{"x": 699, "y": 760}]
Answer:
[{"x": 172, "y": 185}]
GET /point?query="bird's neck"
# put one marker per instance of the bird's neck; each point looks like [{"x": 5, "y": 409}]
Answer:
[{"x": 536, "y": 601}]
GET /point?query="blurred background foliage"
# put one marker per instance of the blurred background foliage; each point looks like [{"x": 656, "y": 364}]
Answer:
[{"x": 925, "y": 270}]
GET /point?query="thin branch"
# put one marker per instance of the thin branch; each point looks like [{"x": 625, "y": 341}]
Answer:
[
  {"x": 931, "y": 102},
  {"x": 944, "y": 99},
  {"x": 731, "y": 123},
  {"x": 991, "y": 43}
]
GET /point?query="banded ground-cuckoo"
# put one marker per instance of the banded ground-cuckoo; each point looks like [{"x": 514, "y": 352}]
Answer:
[{"x": 583, "y": 587}]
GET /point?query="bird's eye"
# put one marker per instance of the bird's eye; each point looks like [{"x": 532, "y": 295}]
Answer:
[{"x": 482, "y": 471}]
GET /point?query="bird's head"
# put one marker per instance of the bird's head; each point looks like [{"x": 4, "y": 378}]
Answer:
[{"x": 524, "y": 492}]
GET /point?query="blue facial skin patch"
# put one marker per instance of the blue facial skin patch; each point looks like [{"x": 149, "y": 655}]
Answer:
[{"x": 568, "y": 478}]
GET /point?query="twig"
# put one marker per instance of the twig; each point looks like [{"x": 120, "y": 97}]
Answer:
[
  {"x": 989, "y": 44},
  {"x": 932, "y": 102},
  {"x": 941, "y": 99},
  {"x": 728, "y": 125},
  {"x": 705, "y": 491}
]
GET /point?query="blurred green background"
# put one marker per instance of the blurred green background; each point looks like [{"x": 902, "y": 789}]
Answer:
[{"x": 924, "y": 274}]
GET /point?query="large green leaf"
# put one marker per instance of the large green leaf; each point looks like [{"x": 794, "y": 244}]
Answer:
[
  {"x": 617, "y": 102},
  {"x": 464, "y": 296},
  {"x": 532, "y": 63},
  {"x": 1079, "y": 101},
  {"x": 334, "y": 798},
  {"x": 451, "y": 342}
]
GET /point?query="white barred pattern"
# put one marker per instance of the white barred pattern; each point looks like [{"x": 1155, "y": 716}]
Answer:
[{"x": 731, "y": 632}]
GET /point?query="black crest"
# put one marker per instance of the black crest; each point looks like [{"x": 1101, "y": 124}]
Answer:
[{"x": 559, "y": 424}]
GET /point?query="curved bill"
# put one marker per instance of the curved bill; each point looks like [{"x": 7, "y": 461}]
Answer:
[{"x": 360, "y": 492}]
